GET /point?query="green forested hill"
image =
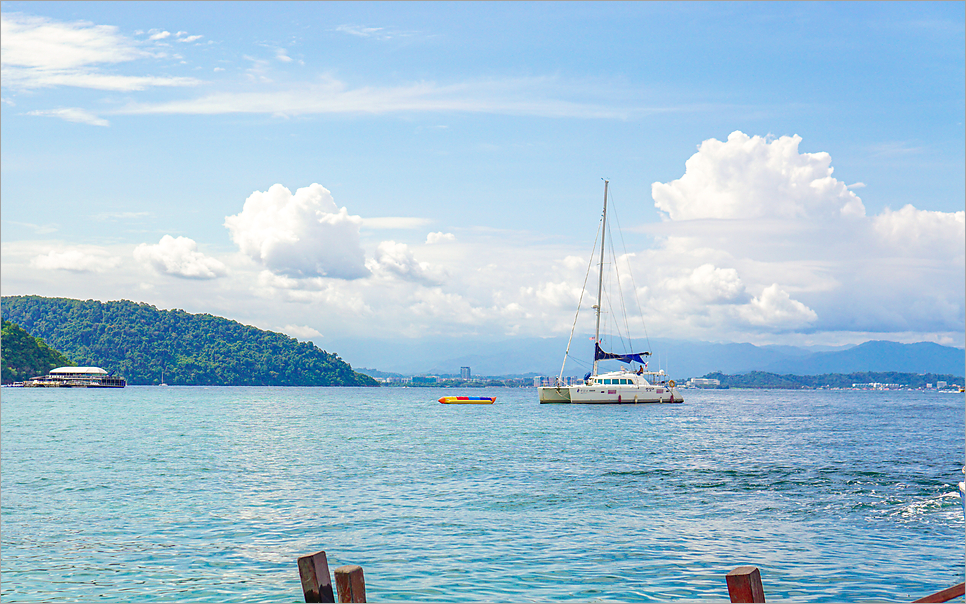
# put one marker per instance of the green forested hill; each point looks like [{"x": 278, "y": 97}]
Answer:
[
  {"x": 138, "y": 341},
  {"x": 24, "y": 356}
]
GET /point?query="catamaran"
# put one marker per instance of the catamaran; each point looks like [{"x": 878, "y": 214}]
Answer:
[{"x": 623, "y": 386}]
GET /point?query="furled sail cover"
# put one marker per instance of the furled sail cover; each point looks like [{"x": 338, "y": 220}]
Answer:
[{"x": 600, "y": 355}]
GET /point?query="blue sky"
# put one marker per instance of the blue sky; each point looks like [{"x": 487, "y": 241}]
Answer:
[{"x": 409, "y": 170}]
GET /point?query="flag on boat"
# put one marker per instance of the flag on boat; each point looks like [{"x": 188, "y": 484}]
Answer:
[{"x": 600, "y": 355}]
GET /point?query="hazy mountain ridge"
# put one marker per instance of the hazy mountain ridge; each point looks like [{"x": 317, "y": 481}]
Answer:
[
  {"x": 683, "y": 359},
  {"x": 878, "y": 355}
]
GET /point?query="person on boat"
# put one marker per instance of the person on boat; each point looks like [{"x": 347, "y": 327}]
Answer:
[{"x": 640, "y": 370}]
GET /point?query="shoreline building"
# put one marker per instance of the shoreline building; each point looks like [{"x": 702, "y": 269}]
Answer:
[{"x": 76, "y": 377}]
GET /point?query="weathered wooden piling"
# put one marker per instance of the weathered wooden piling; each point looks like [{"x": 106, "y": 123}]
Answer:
[
  {"x": 350, "y": 583},
  {"x": 316, "y": 581},
  {"x": 744, "y": 585}
]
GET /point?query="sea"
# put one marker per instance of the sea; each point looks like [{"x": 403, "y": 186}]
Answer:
[{"x": 211, "y": 494}]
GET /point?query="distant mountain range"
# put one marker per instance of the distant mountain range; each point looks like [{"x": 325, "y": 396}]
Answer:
[{"x": 543, "y": 356}]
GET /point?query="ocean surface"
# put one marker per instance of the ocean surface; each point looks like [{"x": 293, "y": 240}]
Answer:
[{"x": 197, "y": 494}]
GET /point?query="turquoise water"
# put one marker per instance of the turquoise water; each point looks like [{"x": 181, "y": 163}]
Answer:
[{"x": 200, "y": 494}]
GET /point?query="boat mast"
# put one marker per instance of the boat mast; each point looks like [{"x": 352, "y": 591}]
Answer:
[{"x": 600, "y": 275}]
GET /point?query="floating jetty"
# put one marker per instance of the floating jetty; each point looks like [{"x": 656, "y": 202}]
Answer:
[
  {"x": 76, "y": 377},
  {"x": 467, "y": 400}
]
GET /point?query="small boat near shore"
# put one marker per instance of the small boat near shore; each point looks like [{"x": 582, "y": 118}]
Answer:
[
  {"x": 467, "y": 400},
  {"x": 76, "y": 377}
]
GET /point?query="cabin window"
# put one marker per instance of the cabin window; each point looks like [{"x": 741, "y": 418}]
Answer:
[{"x": 624, "y": 381}]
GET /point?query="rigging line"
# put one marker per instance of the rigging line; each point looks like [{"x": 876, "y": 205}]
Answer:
[
  {"x": 581, "y": 299},
  {"x": 637, "y": 298},
  {"x": 620, "y": 288},
  {"x": 620, "y": 299}
]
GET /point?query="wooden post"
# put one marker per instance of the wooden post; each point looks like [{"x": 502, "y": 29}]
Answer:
[
  {"x": 744, "y": 585},
  {"x": 350, "y": 583},
  {"x": 316, "y": 582}
]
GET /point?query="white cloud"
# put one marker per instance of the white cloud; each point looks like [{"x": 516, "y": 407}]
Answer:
[
  {"x": 301, "y": 235},
  {"x": 397, "y": 260},
  {"x": 756, "y": 215},
  {"x": 281, "y": 55},
  {"x": 81, "y": 259},
  {"x": 546, "y": 97},
  {"x": 43, "y": 43},
  {"x": 911, "y": 228},
  {"x": 752, "y": 177},
  {"x": 395, "y": 222},
  {"x": 364, "y": 32},
  {"x": 301, "y": 332},
  {"x": 709, "y": 285},
  {"x": 159, "y": 35},
  {"x": 432, "y": 238},
  {"x": 39, "y": 229},
  {"x": 190, "y": 38},
  {"x": 72, "y": 114},
  {"x": 774, "y": 309},
  {"x": 38, "y": 52},
  {"x": 812, "y": 275},
  {"x": 179, "y": 257}
]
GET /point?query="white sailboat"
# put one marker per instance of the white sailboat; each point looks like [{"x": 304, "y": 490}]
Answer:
[{"x": 613, "y": 387}]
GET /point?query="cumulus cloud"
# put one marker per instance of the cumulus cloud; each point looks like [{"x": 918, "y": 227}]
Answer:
[
  {"x": 397, "y": 260},
  {"x": 83, "y": 259},
  {"x": 303, "y": 235},
  {"x": 179, "y": 257},
  {"x": 752, "y": 177},
  {"x": 438, "y": 237},
  {"x": 754, "y": 214},
  {"x": 775, "y": 309},
  {"x": 912, "y": 228},
  {"x": 709, "y": 285}
]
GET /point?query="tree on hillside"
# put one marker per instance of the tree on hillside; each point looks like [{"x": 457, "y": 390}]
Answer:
[
  {"x": 139, "y": 341},
  {"x": 23, "y": 356}
]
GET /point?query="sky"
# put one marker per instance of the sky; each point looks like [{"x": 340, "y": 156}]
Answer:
[{"x": 782, "y": 173}]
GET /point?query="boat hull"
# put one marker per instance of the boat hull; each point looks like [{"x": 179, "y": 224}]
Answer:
[{"x": 609, "y": 395}]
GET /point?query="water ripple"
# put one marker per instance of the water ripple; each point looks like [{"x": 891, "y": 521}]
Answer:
[{"x": 210, "y": 494}]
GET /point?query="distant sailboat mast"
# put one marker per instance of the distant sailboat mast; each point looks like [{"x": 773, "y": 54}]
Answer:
[{"x": 600, "y": 274}]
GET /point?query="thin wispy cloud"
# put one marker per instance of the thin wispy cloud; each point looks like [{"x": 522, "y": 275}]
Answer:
[
  {"x": 895, "y": 149},
  {"x": 395, "y": 222},
  {"x": 38, "y": 52},
  {"x": 375, "y": 33},
  {"x": 545, "y": 97},
  {"x": 72, "y": 114}
]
